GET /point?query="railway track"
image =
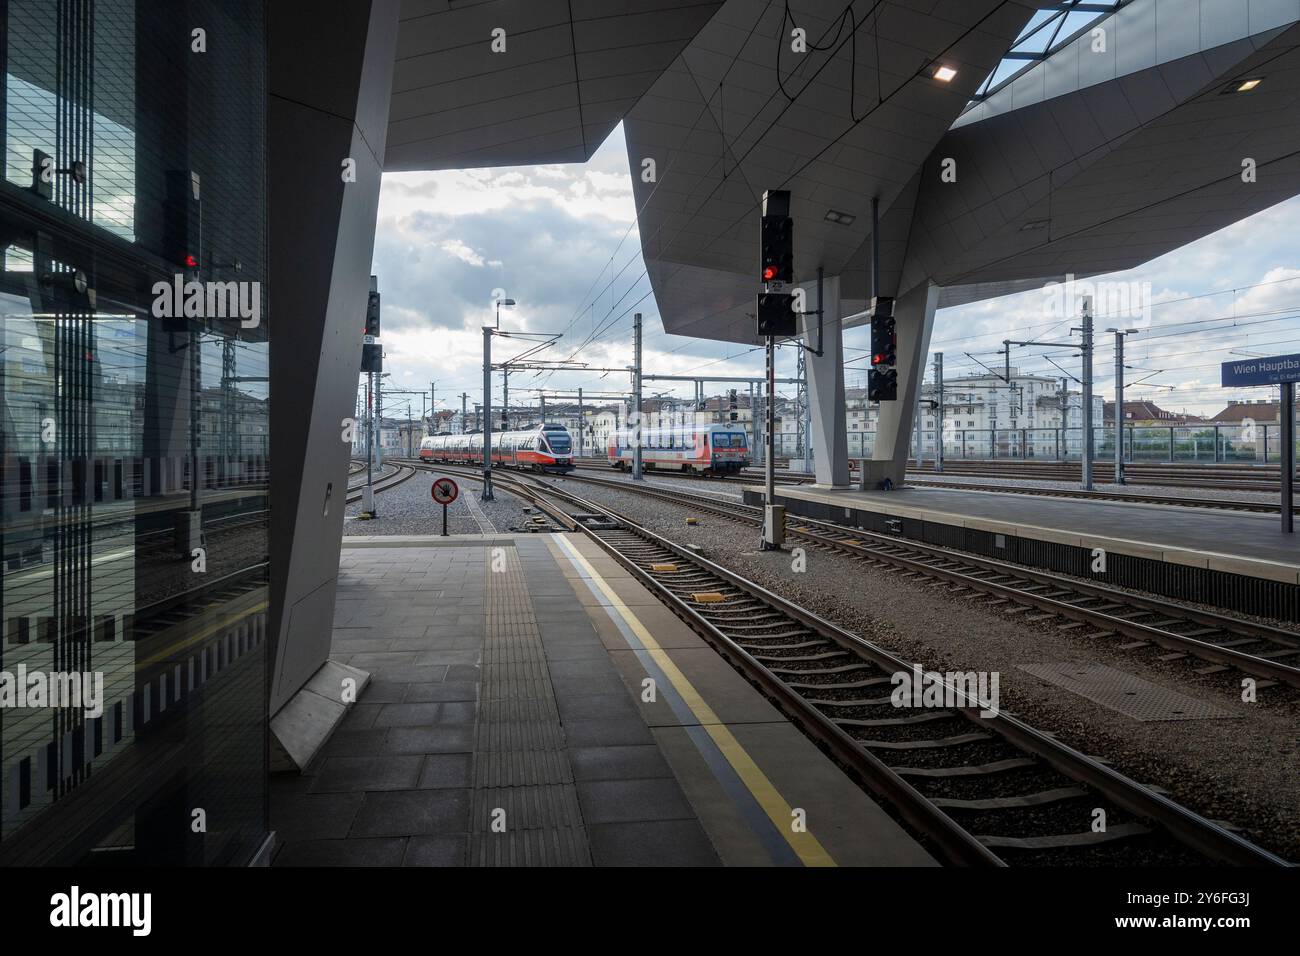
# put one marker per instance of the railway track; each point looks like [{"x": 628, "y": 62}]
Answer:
[
  {"x": 985, "y": 787},
  {"x": 1096, "y": 611},
  {"x": 392, "y": 479}
]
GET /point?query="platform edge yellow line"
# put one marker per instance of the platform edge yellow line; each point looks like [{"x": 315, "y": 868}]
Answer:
[{"x": 805, "y": 845}]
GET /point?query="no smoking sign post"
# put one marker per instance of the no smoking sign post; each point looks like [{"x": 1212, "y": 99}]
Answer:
[{"x": 444, "y": 492}]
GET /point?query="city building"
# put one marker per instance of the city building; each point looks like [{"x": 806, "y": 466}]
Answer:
[
  {"x": 1260, "y": 411},
  {"x": 1149, "y": 413}
]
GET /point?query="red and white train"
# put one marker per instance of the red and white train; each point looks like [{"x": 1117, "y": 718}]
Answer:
[
  {"x": 698, "y": 449},
  {"x": 542, "y": 448}
]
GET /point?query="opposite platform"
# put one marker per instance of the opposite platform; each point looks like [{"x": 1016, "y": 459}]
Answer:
[
  {"x": 1190, "y": 553},
  {"x": 533, "y": 704}
]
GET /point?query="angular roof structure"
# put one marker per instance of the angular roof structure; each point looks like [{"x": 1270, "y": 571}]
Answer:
[
  {"x": 1124, "y": 137},
  {"x": 547, "y": 89},
  {"x": 1059, "y": 137}
]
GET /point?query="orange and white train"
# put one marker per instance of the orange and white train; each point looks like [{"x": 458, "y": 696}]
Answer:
[
  {"x": 542, "y": 448},
  {"x": 696, "y": 449}
]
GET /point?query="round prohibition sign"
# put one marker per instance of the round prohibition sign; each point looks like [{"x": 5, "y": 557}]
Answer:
[{"x": 444, "y": 491}]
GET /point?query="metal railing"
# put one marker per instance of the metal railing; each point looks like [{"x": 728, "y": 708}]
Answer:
[{"x": 1205, "y": 444}]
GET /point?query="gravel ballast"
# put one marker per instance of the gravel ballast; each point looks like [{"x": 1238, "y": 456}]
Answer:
[{"x": 408, "y": 509}]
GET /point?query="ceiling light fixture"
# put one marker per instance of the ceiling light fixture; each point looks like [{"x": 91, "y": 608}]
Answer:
[
  {"x": 1243, "y": 86},
  {"x": 944, "y": 74},
  {"x": 840, "y": 218}
]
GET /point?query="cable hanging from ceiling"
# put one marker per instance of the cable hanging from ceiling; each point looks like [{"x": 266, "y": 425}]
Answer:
[{"x": 847, "y": 15}]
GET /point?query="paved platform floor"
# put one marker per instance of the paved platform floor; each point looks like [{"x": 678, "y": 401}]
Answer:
[
  {"x": 1236, "y": 542},
  {"x": 532, "y": 704}
]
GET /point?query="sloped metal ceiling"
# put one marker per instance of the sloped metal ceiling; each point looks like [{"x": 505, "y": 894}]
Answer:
[
  {"x": 858, "y": 118},
  {"x": 1112, "y": 175},
  {"x": 570, "y": 71}
]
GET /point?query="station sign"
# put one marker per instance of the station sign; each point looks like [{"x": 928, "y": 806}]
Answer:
[{"x": 1261, "y": 371}]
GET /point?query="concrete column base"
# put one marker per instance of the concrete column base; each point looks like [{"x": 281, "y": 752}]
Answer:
[
  {"x": 300, "y": 729},
  {"x": 875, "y": 473}
]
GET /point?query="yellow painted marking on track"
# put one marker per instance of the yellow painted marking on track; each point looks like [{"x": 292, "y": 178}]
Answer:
[
  {"x": 662, "y": 568},
  {"x": 708, "y": 597},
  {"x": 692, "y": 520},
  {"x": 805, "y": 845}
]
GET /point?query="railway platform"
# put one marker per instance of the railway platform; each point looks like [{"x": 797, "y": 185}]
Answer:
[
  {"x": 532, "y": 704},
  {"x": 1236, "y": 560}
]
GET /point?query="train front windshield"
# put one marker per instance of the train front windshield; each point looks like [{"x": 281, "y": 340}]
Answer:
[
  {"x": 559, "y": 442},
  {"x": 729, "y": 440}
]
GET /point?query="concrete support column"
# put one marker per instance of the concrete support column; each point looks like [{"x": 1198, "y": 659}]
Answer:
[
  {"x": 330, "y": 82},
  {"x": 914, "y": 315},
  {"x": 826, "y": 386}
]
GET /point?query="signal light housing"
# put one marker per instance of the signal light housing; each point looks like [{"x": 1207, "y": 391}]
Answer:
[
  {"x": 882, "y": 385},
  {"x": 372, "y": 315},
  {"x": 776, "y": 314},
  {"x": 776, "y": 252},
  {"x": 181, "y": 219},
  {"x": 882, "y": 379}
]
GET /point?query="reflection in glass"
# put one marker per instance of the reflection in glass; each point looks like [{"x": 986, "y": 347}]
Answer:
[{"x": 134, "y": 449}]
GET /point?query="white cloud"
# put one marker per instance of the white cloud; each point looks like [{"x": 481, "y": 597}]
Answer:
[{"x": 461, "y": 251}]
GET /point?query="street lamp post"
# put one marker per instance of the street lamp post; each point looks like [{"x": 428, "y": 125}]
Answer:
[{"x": 508, "y": 303}]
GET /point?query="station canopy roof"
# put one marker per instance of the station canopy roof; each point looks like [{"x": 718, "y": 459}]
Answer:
[{"x": 1069, "y": 159}]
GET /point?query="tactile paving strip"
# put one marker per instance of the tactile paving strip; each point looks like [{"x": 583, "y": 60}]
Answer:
[
  {"x": 566, "y": 846},
  {"x": 522, "y": 775},
  {"x": 1126, "y": 693}
]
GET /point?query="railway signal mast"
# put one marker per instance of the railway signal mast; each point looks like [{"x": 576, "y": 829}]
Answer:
[{"x": 775, "y": 318}]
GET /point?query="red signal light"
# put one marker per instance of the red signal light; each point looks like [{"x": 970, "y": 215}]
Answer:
[
  {"x": 191, "y": 262},
  {"x": 769, "y": 273},
  {"x": 877, "y": 358}
]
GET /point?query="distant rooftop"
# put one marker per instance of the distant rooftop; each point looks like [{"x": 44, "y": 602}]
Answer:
[{"x": 1261, "y": 410}]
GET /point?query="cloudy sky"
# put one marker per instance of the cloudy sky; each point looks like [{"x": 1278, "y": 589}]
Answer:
[{"x": 562, "y": 241}]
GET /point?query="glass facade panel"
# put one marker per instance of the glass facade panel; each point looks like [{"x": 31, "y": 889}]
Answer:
[{"x": 135, "y": 467}]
